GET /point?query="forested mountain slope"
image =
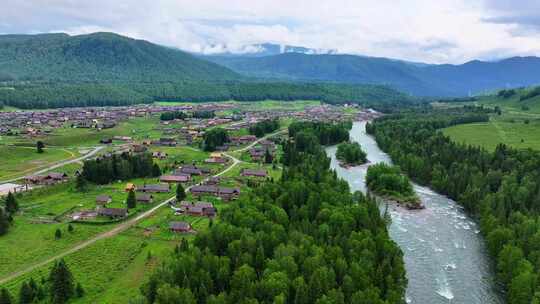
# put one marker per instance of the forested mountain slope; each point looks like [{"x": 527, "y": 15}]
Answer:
[
  {"x": 418, "y": 79},
  {"x": 99, "y": 57}
]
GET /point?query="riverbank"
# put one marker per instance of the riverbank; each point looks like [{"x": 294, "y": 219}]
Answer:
[{"x": 445, "y": 256}]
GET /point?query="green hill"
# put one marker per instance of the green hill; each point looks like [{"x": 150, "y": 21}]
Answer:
[
  {"x": 99, "y": 57},
  {"x": 58, "y": 70}
]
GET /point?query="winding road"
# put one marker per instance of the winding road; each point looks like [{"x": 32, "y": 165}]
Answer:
[{"x": 127, "y": 224}]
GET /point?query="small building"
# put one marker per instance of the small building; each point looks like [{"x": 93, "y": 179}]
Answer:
[
  {"x": 254, "y": 173},
  {"x": 113, "y": 213},
  {"x": 198, "y": 209},
  {"x": 145, "y": 198},
  {"x": 222, "y": 192},
  {"x": 181, "y": 178},
  {"x": 190, "y": 170},
  {"x": 180, "y": 227},
  {"x": 159, "y": 155},
  {"x": 103, "y": 200},
  {"x": 154, "y": 188}
]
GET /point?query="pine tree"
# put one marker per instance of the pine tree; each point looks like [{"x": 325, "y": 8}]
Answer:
[
  {"x": 11, "y": 203},
  {"x": 180, "y": 193},
  {"x": 58, "y": 234},
  {"x": 5, "y": 297},
  {"x": 4, "y": 222},
  {"x": 184, "y": 245},
  {"x": 81, "y": 184},
  {"x": 268, "y": 157},
  {"x": 79, "y": 291},
  {"x": 156, "y": 171},
  {"x": 131, "y": 200},
  {"x": 39, "y": 146},
  {"x": 26, "y": 294},
  {"x": 61, "y": 283}
]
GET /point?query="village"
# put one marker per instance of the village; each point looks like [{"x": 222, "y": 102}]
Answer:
[{"x": 189, "y": 191}]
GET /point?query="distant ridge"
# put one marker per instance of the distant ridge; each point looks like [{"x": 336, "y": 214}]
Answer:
[{"x": 445, "y": 80}]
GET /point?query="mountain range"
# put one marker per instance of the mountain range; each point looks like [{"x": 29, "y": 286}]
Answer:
[
  {"x": 444, "y": 80},
  {"x": 112, "y": 58}
]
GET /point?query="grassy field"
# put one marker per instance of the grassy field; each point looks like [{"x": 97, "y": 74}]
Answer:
[
  {"x": 138, "y": 128},
  {"x": 18, "y": 161},
  {"x": 506, "y": 129}
]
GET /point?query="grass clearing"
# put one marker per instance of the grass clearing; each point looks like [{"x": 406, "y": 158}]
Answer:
[
  {"x": 19, "y": 161},
  {"x": 509, "y": 129}
]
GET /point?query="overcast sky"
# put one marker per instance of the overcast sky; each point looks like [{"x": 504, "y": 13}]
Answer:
[{"x": 434, "y": 31}]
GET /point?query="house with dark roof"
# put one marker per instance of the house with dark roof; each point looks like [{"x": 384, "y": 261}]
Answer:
[
  {"x": 183, "y": 178},
  {"x": 254, "y": 173},
  {"x": 198, "y": 208},
  {"x": 222, "y": 192},
  {"x": 154, "y": 188},
  {"x": 145, "y": 198},
  {"x": 113, "y": 213},
  {"x": 180, "y": 227},
  {"x": 103, "y": 200}
]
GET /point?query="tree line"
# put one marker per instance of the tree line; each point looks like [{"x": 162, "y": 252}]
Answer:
[
  {"x": 302, "y": 239},
  {"x": 105, "y": 170},
  {"x": 172, "y": 115},
  {"x": 51, "y": 94},
  {"x": 500, "y": 188},
  {"x": 264, "y": 127}
]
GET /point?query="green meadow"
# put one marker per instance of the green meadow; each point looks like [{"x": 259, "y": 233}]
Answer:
[
  {"x": 19, "y": 161},
  {"x": 510, "y": 131}
]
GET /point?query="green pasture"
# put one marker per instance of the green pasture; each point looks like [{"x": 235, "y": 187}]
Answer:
[
  {"x": 510, "y": 129},
  {"x": 20, "y": 161}
]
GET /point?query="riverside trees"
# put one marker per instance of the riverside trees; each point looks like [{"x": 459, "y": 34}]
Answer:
[
  {"x": 303, "y": 239},
  {"x": 351, "y": 154},
  {"x": 501, "y": 188}
]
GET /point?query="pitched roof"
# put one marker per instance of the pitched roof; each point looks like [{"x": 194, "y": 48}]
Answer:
[
  {"x": 179, "y": 226},
  {"x": 112, "y": 211}
]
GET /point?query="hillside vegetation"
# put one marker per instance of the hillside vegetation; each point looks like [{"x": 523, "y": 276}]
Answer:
[
  {"x": 417, "y": 79},
  {"x": 57, "y": 70},
  {"x": 99, "y": 57}
]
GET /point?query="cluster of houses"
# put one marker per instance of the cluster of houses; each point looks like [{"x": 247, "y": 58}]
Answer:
[
  {"x": 258, "y": 153},
  {"x": 46, "y": 179},
  {"x": 34, "y": 123},
  {"x": 201, "y": 209}
]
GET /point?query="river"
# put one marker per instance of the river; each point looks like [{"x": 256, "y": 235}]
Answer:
[{"x": 444, "y": 253}]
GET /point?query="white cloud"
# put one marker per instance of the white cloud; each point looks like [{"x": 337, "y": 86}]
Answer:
[{"x": 420, "y": 30}]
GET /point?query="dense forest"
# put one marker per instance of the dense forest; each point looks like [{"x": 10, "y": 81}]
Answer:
[
  {"x": 500, "y": 188},
  {"x": 264, "y": 127},
  {"x": 303, "y": 239},
  {"x": 350, "y": 153},
  {"x": 120, "y": 167},
  {"x": 214, "y": 138},
  {"x": 46, "y": 94},
  {"x": 326, "y": 134},
  {"x": 172, "y": 115}
]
